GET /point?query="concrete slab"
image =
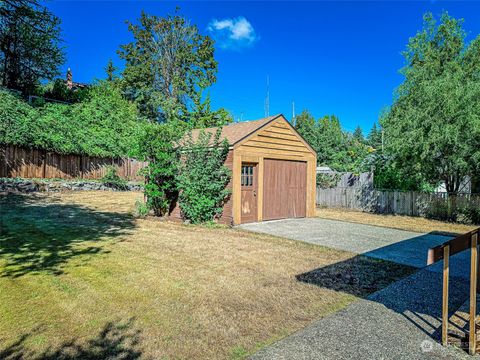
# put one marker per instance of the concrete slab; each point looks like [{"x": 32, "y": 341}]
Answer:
[
  {"x": 403, "y": 247},
  {"x": 401, "y": 321}
]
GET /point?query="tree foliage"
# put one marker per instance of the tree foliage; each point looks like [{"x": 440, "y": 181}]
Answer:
[
  {"x": 30, "y": 47},
  {"x": 374, "y": 138},
  {"x": 111, "y": 70},
  {"x": 433, "y": 126},
  {"x": 15, "y": 116},
  {"x": 358, "y": 135},
  {"x": 156, "y": 145},
  {"x": 104, "y": 124},
  {"x": 58, "y": 90},
  {"x": 336, "y": 148},
  {"x": 168, "y": 64},
  {"x": 203, "y": 178},
  {"x": 202, "y": 115}
]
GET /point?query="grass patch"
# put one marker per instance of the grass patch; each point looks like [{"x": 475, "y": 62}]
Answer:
[
  {"x": 409, "y": 223},
  {"x": 80, "y": 277}
]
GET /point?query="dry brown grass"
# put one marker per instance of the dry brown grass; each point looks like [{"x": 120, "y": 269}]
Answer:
[
  {"x": 416, "y": 224},
  {"x": 79, "y": 275}
]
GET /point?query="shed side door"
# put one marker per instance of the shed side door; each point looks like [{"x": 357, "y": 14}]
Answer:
[
  {"x": 249, "y": 183},
  {"x": 284, "y": 189}
]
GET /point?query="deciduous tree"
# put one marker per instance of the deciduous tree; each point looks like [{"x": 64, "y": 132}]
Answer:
[
  {"x": 168, "y": 64},
  {"x": 433, "y": 126}
]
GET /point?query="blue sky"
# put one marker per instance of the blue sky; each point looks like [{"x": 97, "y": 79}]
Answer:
[{"x": 329, "y": 57}]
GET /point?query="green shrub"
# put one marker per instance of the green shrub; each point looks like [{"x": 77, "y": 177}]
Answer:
[
  {"x": 470, "y": 214},
  {"x": 327, "y": 181},
  {"x": 141, "y": 209},
  {"x": 203, "y": 178},
  {"x": 113, "y": 180},
  {"x": 156, "y": 146}
]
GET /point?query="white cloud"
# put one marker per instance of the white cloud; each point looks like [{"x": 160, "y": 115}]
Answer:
[{"x": 234, "y": 33}]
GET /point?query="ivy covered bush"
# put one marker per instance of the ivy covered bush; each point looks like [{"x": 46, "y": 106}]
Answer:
[
  {"x": 15, "y": 119},
  {"x": 104, "y": 124},
  {"x": 203, "y": 177}
]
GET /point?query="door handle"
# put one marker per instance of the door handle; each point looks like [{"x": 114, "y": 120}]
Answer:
[{"x": 254, "y": 193}]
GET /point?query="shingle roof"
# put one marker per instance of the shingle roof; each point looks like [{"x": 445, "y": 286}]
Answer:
[{"x": 237, "y": 131}]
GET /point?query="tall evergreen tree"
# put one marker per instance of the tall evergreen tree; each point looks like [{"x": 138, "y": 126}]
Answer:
[
  {"x": 30, "y": 47},
  {"x": 111, "y": 70},
  {"x": 358, "y": 134},
  {"x": 335, "y": 147},
  {"x": 375, "y": 137}
]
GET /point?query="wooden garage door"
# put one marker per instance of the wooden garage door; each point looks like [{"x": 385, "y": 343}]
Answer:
[{"x": 284, "y": 189}]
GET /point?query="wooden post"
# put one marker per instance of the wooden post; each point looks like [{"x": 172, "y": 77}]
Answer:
[
  {"x": 473, "y": 294},
  {"x": 478, "y": 263},
  {"x": 44, "y": 170},
  {"x": 446, "y": 260}
]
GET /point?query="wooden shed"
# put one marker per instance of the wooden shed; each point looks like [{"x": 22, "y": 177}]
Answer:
[{"x": 273, "y": 172}]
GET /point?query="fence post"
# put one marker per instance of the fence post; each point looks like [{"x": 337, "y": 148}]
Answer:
[
  {"x": 44, "y": 170},
  {"x": 81, "y": 166},
  {"x": 473, "y": 294},
  {"x": 446, "y": 258}
]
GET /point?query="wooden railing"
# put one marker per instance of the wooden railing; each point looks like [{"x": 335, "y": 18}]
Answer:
[{"x": 443, "y": 252}]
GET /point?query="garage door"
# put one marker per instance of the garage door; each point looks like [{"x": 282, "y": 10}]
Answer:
[{"x": 284, "y": 189}]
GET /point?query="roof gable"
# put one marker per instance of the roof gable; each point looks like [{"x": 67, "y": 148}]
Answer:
[
  {"x": 277, "y": 130},
  {"x": 239, "y": 133}
]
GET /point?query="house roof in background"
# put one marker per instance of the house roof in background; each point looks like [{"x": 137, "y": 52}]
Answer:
[{"x": 233, "y": 133}]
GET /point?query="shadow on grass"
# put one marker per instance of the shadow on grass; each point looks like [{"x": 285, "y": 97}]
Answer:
[
  {"x": 40, "y": 234},
  {"x": 359, "y": 276},
  {"x": 117, "y": 340},
  {"x": 415, "y": 294}
]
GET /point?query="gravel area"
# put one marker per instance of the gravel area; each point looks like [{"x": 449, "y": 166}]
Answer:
[{"x": 401, "y": 321}]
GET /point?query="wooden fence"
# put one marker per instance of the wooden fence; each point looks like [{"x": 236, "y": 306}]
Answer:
[
  {"x": 349, "y": 179},
  {"x": 411, "y": 203},
  {"x": 35, "y": 163}
]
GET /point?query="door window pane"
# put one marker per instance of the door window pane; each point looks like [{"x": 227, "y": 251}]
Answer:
[{"x": 247, "y": 175}]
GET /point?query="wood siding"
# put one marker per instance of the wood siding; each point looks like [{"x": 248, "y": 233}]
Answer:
[
  {"x": 278, "y": 140},
  {"x": 284, "y": 189},
  {"x": 36, "y": 163}
]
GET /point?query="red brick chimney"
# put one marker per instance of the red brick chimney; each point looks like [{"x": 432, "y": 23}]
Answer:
[{"x": 69, "y": 79}]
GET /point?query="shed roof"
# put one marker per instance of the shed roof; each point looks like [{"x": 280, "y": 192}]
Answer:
[{"x": 233, "y": 133}]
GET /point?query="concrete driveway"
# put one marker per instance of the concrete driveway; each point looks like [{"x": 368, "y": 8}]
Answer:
[
  {"x": 403, "y": 247},
  {"x": 401, "y": 321}
]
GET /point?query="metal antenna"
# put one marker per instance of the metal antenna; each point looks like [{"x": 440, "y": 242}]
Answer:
[
  {"x": 293, "y": 112},
  {"x": 267, "y": 99}
]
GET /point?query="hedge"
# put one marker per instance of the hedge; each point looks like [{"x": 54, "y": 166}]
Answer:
[{"x": 104, "y": 124}]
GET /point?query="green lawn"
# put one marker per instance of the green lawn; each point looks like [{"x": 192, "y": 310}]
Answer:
[{"x": 81, "y": 278}]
